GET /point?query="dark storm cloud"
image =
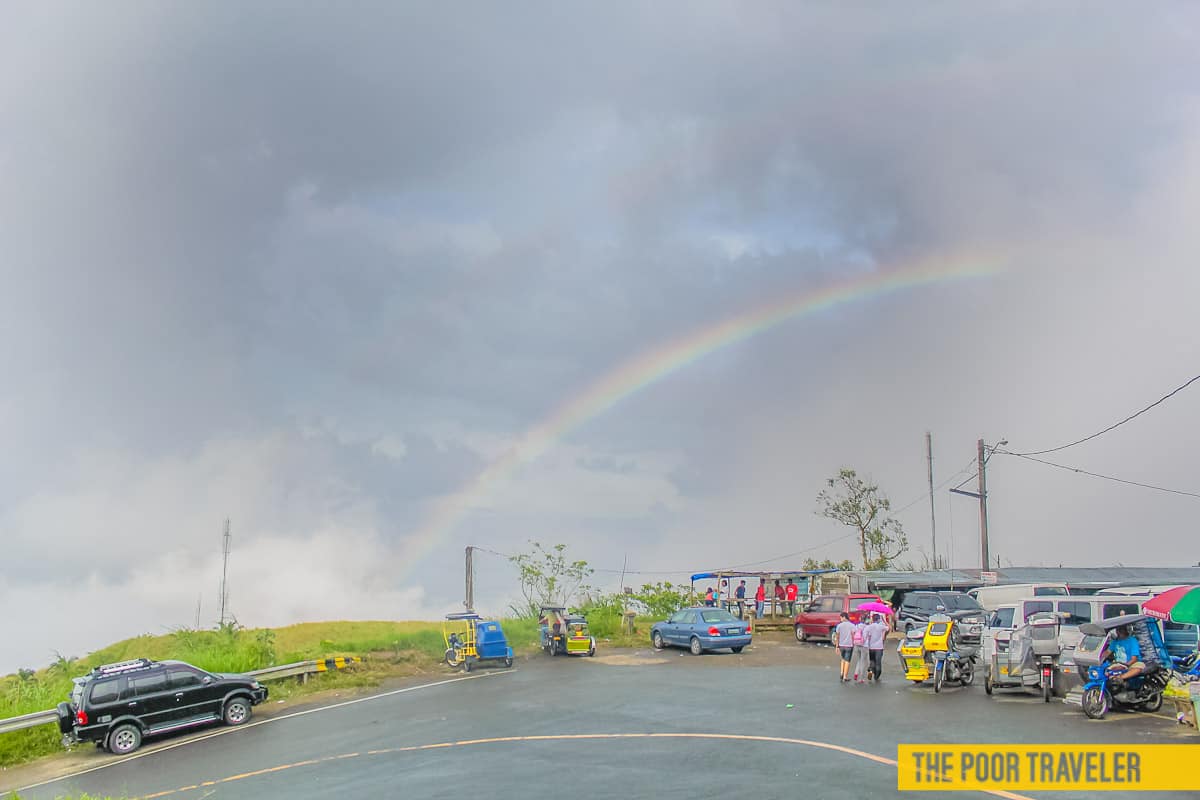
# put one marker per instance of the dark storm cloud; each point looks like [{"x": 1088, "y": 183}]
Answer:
[{"x": 357, "y": 254}]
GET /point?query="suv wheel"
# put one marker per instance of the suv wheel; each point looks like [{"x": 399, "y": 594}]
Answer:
[
  {"x": 124, "y": 739},
  {"x": 236, "y": 711}
]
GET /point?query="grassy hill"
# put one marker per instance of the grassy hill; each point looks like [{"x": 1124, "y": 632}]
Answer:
[{"x": 392, "y": 648}]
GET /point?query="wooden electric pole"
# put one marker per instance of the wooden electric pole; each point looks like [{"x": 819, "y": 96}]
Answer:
[
  {"x": 985, "y": 558},
  {"x": 469, "y": 600}
]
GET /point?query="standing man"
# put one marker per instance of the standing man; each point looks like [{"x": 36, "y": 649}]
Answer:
[
  {"x": 843, "y": 635},
  {"x": 791, "y": 593},
  {"x": 780, "y": 599},
  {"x": 877, "y": 633},
  {"x": 740, "y": 596},
  {"x": 760, "y": 597}
]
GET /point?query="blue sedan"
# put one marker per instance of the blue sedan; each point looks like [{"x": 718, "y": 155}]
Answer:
[{"x": 700, "y": 629}]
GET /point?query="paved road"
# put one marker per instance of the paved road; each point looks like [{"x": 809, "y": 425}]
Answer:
[{"x": 378, "y": 747}]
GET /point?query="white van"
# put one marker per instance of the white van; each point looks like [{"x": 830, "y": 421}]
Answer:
[
  {"x": 1075, "y": 611},
  {"x": 992, "y": 596}
]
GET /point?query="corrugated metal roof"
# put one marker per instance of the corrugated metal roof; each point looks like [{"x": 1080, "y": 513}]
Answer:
[{"x": 1078, "y": 576}]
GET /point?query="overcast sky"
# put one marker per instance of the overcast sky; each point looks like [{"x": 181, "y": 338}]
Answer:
[{"x": 315, "y": 272}]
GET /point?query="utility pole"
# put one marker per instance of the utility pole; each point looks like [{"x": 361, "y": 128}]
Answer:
[
  {"x": 932, "y": 515},
  {"x": 199, "y": 599},
  {"x": 985, "y": 558},
  {"x": 469, "y": 600},
  {"x": 226, "y": 546}
]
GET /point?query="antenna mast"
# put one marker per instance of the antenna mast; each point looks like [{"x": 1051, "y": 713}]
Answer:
[{"x": 226, "y": 545}]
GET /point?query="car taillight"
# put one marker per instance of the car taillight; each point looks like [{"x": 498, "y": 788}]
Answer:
[
  {"x": 81, "y": 717},
  {"x": 714, "y": 631}
]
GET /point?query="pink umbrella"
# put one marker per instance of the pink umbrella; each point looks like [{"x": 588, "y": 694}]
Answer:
[{"x": 875, "y": 607}]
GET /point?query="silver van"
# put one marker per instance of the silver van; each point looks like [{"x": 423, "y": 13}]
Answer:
[{"x": 1075, "y": 610}]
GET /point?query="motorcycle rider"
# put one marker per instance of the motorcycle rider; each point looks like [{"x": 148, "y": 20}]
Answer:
[{"x": 1127, "y": 653}]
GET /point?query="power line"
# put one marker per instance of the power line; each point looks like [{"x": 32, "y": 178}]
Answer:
[
  {"x": 689, "y": 571},
  {"x": 1098, "y": 475},
  {"x": 925, "y": 495},
  {"x": 1115, "y": 425}
]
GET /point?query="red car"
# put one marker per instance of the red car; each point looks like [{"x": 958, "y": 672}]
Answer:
[{"x": 825, "y": 611}]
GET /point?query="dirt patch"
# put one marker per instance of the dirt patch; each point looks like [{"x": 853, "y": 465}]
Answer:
[{"x": 768, "y": 650}]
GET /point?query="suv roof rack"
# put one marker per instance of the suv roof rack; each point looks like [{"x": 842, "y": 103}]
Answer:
[{"x": 122, "y": 666}]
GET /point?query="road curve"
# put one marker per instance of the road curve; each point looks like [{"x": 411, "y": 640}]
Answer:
[{"x": 677, "y": 727}]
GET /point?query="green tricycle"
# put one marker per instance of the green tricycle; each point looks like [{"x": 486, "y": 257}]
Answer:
[{"x": 565, "y": 634}]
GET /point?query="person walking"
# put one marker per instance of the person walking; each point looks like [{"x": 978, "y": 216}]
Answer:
[
  {"x": 876, "y": 635},
  {"x": 860, "y": 656},
  {"x": 791, "y": 592},
  {"x": 843, "y": 636},
  {"x": 760, "y": 597}
]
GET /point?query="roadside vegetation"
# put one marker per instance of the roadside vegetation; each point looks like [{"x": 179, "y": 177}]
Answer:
[{"x": 390, "y": 648}]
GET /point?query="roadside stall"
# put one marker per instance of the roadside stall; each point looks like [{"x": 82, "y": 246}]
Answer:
[{"x": 778, "y": 611}]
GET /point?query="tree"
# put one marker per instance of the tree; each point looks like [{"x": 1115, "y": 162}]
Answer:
[
  {"x": 811, "y": 564},
  {"x": 859, "y": 504},
  {"x": 547, "y": 578}
]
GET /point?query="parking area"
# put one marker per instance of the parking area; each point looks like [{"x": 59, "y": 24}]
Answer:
[{"x": 771, "y": 720}]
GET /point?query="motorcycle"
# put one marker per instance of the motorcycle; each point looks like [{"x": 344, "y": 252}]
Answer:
[
  {"x": 1104, "y": 685},
  {"x": 1187, "y": 668},
  {"x": 954, "y": 652}
]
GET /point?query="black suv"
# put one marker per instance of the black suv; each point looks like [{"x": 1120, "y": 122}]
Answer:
[
  {"x": 116, "y": 705},
  {"x": 918, "y": 607}
]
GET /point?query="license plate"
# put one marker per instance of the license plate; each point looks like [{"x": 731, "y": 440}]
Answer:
[
  {"x": 732, "y": 630},
  {"x": 1004, "y": 670}
]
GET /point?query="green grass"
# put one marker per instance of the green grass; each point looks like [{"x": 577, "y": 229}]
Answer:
[{"x": 394, "y": 648}]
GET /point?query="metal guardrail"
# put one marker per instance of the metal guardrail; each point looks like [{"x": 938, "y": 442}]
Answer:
[
  {"x": 28, "y": 721},
  {"x": 300, "y": 669}
]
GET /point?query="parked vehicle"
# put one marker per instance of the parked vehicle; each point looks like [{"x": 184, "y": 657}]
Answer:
[
  {"x": 821, "y": 616},
  {"x": 565, "y": 634},
  {"x": 701, "y": 629},
  {"x": 1181, "y": 638},
  {"x": 118, "y": 705},
  {"x": 915, "y": 663},
  {"x": 1026, "y": 657},
  {"x": 997, "y": 631},
  {"x": 919, "y": 607},
  {"x": 1073, "y": 611},
  {"x": 954, "y": 650},
  {"x": 990, "y": 597},
  {"x": 1104, "y": 688},
  {"x": 470, "y": 640},
  {"x": 1187, "y": 668}
]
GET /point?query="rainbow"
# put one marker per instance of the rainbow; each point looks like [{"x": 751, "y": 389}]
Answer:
[{"x": 643, "y": 370}]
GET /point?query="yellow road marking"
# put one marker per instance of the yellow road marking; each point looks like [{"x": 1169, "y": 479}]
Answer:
[{"x": 566, "y": 737}]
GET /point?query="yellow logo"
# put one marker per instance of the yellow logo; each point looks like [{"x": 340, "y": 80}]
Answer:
[{"x": 1092, "y": 768}]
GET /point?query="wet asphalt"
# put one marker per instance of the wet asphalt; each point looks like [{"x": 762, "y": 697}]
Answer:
[{"x": 377, "y": 747}]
